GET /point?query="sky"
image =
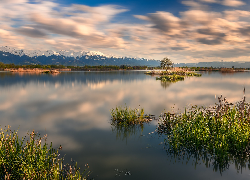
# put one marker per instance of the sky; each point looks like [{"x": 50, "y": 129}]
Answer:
[{"x": 186, "y": 31}]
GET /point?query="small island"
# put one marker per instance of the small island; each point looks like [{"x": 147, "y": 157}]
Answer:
[{"x": 171, "y": 74}]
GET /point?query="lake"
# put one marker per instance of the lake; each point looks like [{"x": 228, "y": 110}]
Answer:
[{"x": 73, "y": 109}]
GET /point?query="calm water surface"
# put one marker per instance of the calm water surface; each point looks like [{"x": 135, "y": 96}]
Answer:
[{"x": 73, "y": 108}]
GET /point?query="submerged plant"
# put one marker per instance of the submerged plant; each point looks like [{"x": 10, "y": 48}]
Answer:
[
  {"x": 33, "y": 159},
  {"x": 220, "y": 133}
]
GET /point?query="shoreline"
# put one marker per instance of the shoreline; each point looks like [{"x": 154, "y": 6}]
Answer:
[{"x": 35, "y": 70}]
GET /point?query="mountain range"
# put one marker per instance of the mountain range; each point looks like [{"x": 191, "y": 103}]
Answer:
[{"x": 10, "y": 55}]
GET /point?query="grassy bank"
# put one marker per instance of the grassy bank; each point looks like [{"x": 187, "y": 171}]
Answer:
[{"x": 33, "y": 158}]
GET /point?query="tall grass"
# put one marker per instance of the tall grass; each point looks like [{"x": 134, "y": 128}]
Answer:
[
  {"x": 174, "y": 72},
  {"x": 174, "y": 76},
  {"x": 33, "y": 158},
  {"x": 125, "y": 116},
  {"x": 221, "y": 133},
  {"x": 126, "y": 121},
  {"x": 170, "y": 78}
]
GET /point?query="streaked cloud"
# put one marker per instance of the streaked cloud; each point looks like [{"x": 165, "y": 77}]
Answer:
[
  {"x": 185, "y": 37},
  {"x": 32, "y": 32},
  {"x": 233, "y": 3}
]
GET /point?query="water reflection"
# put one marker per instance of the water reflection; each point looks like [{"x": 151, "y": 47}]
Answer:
[
  {"x": 165, "y": 84},
  {"x": 74, "y": 110},
  {"x": 124, "y": 132},
  {"x": 63, "y": 78},
  {"x": 220, "y": 164}
]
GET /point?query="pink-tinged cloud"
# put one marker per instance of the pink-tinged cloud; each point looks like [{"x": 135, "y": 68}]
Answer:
[
  {"x": 233, "y": 3},
  {"x": 196, "y": 34}
]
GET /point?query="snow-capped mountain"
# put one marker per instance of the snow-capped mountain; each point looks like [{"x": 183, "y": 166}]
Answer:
[{"x": 81, "y": 58}]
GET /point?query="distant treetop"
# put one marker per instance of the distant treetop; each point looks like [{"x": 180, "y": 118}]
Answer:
[{"x": 166, "y": 63}]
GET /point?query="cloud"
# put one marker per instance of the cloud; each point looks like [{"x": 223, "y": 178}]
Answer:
[
  {"x": 49, "y": 20},
  {"x": 213, "y": 38},
  {"x": 203, "y": 32},
  {"x": 62, "y": 26},
  {"x": 211, "y": 32},
  {"x": 209, "y": 1},
  {"x": 9, "y": 38},
  {"x": 13, "y": 1},
  {"x": 236, "y": 14},
  {"x": 199, "y": 17},
  {"x": 32, "y": 32},
  {"x": 209, "y": 41},
  {"x": 185, "y": 36},
  {"x": 245, "y": 31},
  {"x": 177, "y": 48},
  {"x": 233, "y": 3},
  {"x": 194, "y": 5},
  {"x": 98, "y": 14},
  {"x": 164, "y": 21}
]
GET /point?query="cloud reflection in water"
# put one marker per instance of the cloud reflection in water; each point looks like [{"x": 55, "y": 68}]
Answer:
[{"x": 74, "y": 108}]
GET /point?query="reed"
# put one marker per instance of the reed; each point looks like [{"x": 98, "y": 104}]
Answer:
[
  {"x": 125, "y": 116},
  {"x": 222, "y": 131},
  {"x": 170, "y": 78},
  {"x": 128, "y": 122},
  {"x": 174, "y": 72},
  {"x": 173, "y": 76},
  {"x": 33, "y": 158}
]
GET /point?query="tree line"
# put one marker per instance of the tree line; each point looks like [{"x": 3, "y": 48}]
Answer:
[{"x": 78, "y": 68}]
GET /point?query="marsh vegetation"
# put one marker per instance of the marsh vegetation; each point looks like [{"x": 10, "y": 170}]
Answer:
[
  {"x": 126, "y": 121},
  {"x": 32, "y": 157},
  {"x": 125, "y": 116},
  {"x": 218, "y": 135},
  {"x": 173, "y": 75}
]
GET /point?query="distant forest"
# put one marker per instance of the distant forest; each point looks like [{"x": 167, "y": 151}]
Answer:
[{"x": 74, "y": 68}]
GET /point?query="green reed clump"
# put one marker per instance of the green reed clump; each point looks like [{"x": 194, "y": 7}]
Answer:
[
  {"x": 223, "y": 132},
  {"x": 182, "y": 73},
  {"x": 125, "y": 116},
  {"x": 174, "y": 72},
  {"x": 218, "y": 133},
  {"x": 128, "y": 122},
  {"x": 174, "y": 76},
  {"x": 192, "y": 74},
  {"x": 32, "y": 158},
  {"x": 171, "y": 78}
]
